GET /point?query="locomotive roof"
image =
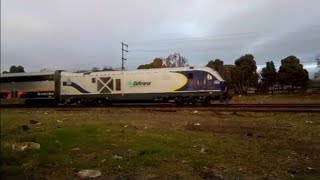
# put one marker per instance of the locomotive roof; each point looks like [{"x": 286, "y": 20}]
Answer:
[
  {"x": 26, "y": 74},
  {"x": 155, "y": 70},
  {"x": 215, "y": 73}
]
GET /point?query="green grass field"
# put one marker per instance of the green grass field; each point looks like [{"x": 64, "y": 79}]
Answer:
[{"x": 163, "y": 145}]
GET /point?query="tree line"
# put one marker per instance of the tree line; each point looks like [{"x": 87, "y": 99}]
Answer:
[
  {"x": 173, "y": 60},
  {"x": 243, "y": 76},
  {"x": 20, "y": 69},
  {"x": 97, "y": 69},
  {"x": 14, "y": 69}
]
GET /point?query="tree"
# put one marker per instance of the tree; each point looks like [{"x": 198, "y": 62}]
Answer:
[
  {"x": 105, "y": 68},
  {"x": 222, "y": 69},
  {"x": 5, "y": 72},
  {"x": 216, "y": 65},
  {"x": 81, "y": 71},
  {"x": 269, "y": 76},
  {"x": 173, "y": 60},
  {"x": 95, "y": 69},
  {"x": 227, "y": 70},
  {"x": 145, "y": 66},
  {"x": 291, "y": 73},
  {"x": 225, "y": 73},
  {"x": 16, "y": 69},
  {"x": 244, "y": 74},
  {"x": 45, "y": 70},
  {"x": 157, "y": 63},
  {"x": 176, "y": 60}
]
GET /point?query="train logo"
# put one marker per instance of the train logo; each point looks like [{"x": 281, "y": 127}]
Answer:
[{"x": 138, "y": 83}]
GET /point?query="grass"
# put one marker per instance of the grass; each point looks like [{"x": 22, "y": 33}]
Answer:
[
  {"x": 244, "y": 145},
  {"x": 276, "y": 98}
]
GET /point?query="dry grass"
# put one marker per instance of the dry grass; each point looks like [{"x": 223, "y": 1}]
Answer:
[
  {"x": 161, "y": 144},
  {"x": 315, "y": 98}
]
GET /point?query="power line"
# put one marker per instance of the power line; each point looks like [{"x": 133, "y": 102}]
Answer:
[
  {"x": 205, "y": 38},
  {"x": 215, "y": 37},
  {"x": 200, "y": 47}
]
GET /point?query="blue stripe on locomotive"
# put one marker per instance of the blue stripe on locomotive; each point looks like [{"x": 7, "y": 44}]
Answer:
[
  {"x": 76, "y": 86},
  {"x": 196, "y": 81}
]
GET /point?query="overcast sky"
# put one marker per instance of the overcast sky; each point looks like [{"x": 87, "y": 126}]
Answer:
[{"x": 80, "y": 34}]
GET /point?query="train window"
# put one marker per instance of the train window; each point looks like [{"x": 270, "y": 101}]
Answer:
[
  {"x": 190, "y": 76},
  {"x": 4, "y": 95},
  {"x": 27, "y": 78},
  {"x": 209, "y": 77},
  {"x": 93, "y": 80},
  {"x": 118, "y": 85}
]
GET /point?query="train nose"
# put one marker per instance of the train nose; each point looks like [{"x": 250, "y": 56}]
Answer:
[{"x": 216, "y": 85}]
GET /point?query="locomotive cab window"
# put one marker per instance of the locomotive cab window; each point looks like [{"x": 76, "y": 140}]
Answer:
[
  {"x": 93, "y": 80},
  {"x": 209, "y": 77}
]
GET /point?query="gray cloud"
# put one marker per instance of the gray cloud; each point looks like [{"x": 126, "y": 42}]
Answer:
[{"x": 65, "y": 34}]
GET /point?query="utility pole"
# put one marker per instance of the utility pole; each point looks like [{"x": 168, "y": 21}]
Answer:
[{"x": 122, "y": 56}]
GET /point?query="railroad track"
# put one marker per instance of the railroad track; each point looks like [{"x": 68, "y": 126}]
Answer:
[
  {"x": 233, "y": 107},
  {"x": 163, "y": 107}
]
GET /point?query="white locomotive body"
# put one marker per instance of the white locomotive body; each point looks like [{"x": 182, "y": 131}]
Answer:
[{"x": 149, "y": 84}]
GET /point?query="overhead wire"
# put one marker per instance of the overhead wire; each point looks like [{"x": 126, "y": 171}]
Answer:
[
  {"x": 203, "y": 38},
  {"x": 228, "y": 45},
  {"x": 214, "y": 37},
  {"x": 208, "y": 39}
]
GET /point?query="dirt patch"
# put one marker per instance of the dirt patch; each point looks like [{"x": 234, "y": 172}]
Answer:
[{"x": 258, "y": 129}]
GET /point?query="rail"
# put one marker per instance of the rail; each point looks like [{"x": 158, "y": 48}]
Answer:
[{"x": 315, "y": 108}]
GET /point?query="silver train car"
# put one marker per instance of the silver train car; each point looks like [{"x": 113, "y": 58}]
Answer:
[
  {"x": 24, "y": 88},
  {"x": 178, "y": 85}
]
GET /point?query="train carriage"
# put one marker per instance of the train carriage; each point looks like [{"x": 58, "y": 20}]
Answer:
[{"x": 21, "y": 88}]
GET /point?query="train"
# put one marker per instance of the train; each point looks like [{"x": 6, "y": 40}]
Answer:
[{"x": 183, "y": 85}]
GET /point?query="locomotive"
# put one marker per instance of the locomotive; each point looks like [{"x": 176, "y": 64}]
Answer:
[{"x": 177, "y": 85}]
